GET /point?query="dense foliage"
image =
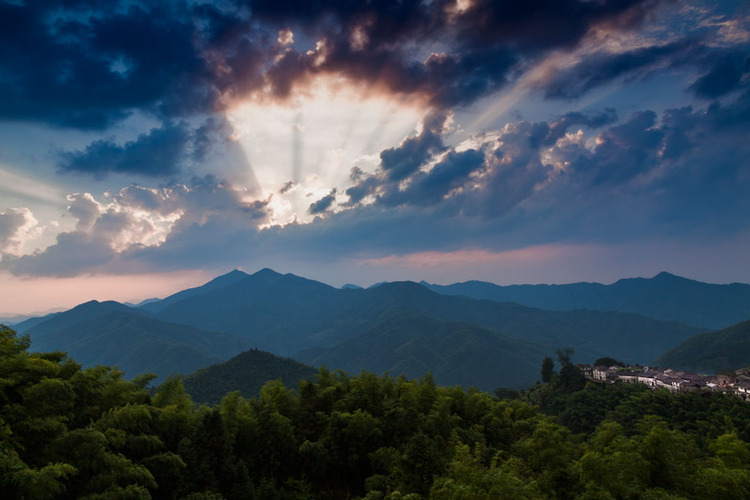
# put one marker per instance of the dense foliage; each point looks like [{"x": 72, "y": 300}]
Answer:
[
  {"x": 246, "y": 373},
  {"x": 66, "y": 432},
  {"x": 702, "y": 415}
]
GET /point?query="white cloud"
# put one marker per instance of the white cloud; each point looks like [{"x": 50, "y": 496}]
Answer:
[
  {"x": 111, "y": 229},
  {"x": 17, "y": 227}
]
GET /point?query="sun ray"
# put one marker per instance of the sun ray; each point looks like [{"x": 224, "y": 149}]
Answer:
[{"x": 315, "y": 139}]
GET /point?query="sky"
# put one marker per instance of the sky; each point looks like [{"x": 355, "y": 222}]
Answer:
[{"x": 148, "y": 146}]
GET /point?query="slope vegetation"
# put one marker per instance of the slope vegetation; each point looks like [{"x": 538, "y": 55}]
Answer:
[
  {"x": 110, "y": 333},
  {"x": 247, "y": 373},
  {"x": 727, "y": 349},
  {"x": 455, "y": 353}
]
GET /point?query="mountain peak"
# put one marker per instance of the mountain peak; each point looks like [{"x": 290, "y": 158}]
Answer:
[
  {"x": 225, "y": 279},
  {"x": 266, "y": 272},
  {"x": 232, "y": 275},
  {"x": 236, "y": 272},
  {"x": 402, "y": 286},
  {"x": 95, "y": 305},
  {"x": 669, "y": 277},
  {"x": 664, "y": 275}
]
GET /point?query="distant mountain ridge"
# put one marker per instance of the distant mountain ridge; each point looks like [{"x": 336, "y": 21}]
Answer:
[{"x": 665, "y": 296}]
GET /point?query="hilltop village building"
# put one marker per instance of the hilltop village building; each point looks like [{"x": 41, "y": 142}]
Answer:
[{"x": 672, "y": 380}]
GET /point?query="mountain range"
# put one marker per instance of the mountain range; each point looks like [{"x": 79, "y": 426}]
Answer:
[
  {"x": 399, "y": 327},
  {"x": 287, "y": 315},
  {"x": 665, "y": 296}
]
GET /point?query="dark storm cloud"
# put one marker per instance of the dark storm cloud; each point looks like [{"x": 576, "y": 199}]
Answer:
[
  {"x": 490, "y": 180},
  {"x": 725, "y": 74},
  {"x": 476, "y": 51},
  {"x": 559, "y": 127},
  {"x": 430, "y": 188},
  {"x": 541, "y": 24},
  {"x": 81, "y": 65},
  {"x": 603, "y": 67},
  {"x": 74, "y": 66},
  {"x": 365, "y": 185},
  {"x": 707, "y": 176},
  {"x": 400, "y": 162},
  {"x": 160, "y": 152},
  {"x": 323, "y": 204},
  {"x": 212, "y": 132},
  {"x": 640, "y": 173},
  {"x": 623, "y": 151}
]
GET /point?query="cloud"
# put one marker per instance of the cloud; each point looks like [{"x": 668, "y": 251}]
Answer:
[
  {"x": 479, "y": 49},
  {"x": 109, "y": 231},
  {"x": 604, "y": 67},
  {"x": 88, "y": 67},
  {"x": 725, "y": 75},
  {"x": 323, "y": 204},
  {"x": 400, "y": 162},
  {"x": 579, "y": 179},
  {"x": 85, "y": 209},
  {"x": 560, "y": 127},
  {"x": 162, "y": 152},
  {"x": 485, "y": 176},
  {"x": 670, "y": 39},
  {"x": 451, "y": 172},
  {"x": 17, "y": 227},
  {"x": 623, "y": 151},
  {"x": 555, "y": 177}
]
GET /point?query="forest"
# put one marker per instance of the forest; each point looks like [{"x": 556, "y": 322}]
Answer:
[{"x": 68, "y": 433}]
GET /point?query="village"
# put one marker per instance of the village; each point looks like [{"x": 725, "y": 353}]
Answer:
[{"x": 736, "y": 383}]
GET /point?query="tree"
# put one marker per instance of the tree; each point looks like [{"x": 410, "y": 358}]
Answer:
[
  {"x": 547, "y": 370},
  {"x": 571, "y": 379},
  {"x": 468, "y": 479}
]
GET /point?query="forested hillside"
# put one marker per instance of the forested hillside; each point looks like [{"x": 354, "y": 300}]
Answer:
[
  {"x": 727, "y": 349},
  {"x": 245, "y": 373},
  {"x": 455, "y": 353},
  {"x": 71, "y": 433},
  {"x": 110, "y": 333}
]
